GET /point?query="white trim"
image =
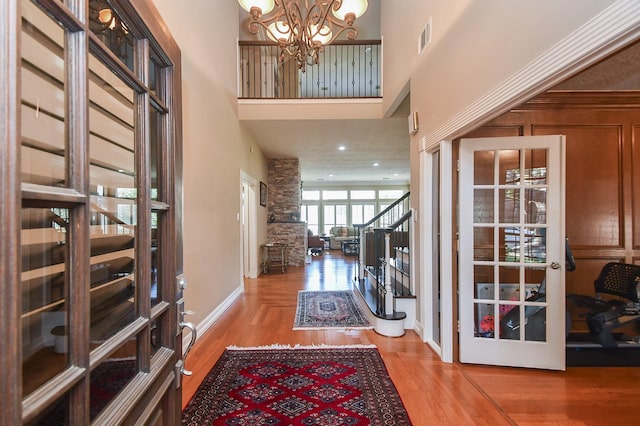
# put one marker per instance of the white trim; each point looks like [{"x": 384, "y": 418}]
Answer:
[
  {"x": 448, "y": 330},
  {"x": 613, "y": 28},
  {"x": 211, "y": 319}
]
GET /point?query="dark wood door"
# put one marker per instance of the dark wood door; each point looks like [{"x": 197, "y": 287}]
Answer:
[{"x": 91, "y": 213}]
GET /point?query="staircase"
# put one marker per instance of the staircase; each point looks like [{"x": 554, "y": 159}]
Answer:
[{"x": 383, "y": 277}]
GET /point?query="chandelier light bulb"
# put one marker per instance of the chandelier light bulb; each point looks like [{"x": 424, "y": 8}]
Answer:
[
  {"x": 323, "y": 36},
  {"x": 105, "y": 16},
  {"x": 279, "y": 31},
  {"x": 265, "y": 6},
  {"x": 357, "y": 7}
]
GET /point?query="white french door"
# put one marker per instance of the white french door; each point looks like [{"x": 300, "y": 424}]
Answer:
[{"x": 511, "y": 270}]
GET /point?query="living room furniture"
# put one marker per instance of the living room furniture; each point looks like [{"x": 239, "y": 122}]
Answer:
[
  {"x": 339, "y": 234},
  {"x": 350, "y": 248},
  {"x": 315, "y": 244},
  {"x": 274, "y": 255}
]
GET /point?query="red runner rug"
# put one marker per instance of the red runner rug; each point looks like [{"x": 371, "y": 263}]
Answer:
[{"x": 297, "y": 386}]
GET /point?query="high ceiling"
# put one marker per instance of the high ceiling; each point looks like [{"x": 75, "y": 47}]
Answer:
[{"x": 316, "y": 143}]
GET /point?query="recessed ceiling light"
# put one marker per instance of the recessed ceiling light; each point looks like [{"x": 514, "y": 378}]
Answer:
[
  {"x": 342, "y": 148},
  {"x": 375, "y": 164},
  {"x": 396, "y": 174},
  {"x": 330, "y": 174}
]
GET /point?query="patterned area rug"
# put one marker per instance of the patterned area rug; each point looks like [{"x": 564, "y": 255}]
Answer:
[
  {"x": 329, "y": 309},
  {"x": 297, "y": 386}
]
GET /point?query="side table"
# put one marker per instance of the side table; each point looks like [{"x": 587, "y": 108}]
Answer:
[{"x": 274, "y": 255}]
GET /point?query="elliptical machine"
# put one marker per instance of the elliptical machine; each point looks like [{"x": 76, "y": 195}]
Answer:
[{"x": 535, "y": 316}]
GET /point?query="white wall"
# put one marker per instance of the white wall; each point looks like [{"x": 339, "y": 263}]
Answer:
[{"x": 216, "y": 148}]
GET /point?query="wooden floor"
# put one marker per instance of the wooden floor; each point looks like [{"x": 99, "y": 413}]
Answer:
[{"x": 433, "y": 392}]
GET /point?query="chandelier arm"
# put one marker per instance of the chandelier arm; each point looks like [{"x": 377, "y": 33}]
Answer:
[{"x": 303, "y": 36}]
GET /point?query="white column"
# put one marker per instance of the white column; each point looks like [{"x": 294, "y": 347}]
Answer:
[
  {"x": 361, "y": 254},
  {"x": 388, "y": 296}
]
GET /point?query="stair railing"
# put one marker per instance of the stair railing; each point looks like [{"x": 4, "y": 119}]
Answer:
[
  {"x": 384, "y": 219},
  {"x": 384, "y": 255}
]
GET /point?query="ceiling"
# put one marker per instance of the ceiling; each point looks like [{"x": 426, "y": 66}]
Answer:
[{"x": 316, "y": 143}]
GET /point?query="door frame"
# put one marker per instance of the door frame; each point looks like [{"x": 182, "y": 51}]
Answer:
[
  {"x": 445, "y": 348},
  {"x": 249, "y": 227}
]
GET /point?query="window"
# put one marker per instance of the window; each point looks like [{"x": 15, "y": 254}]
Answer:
[
  {"x": 362, "y": 213},
  {"x": 309, "y": 214},
  {"x": 334, "y": 215},
  {"x": 390, "y": 194},
  {"x": 347, "y": 206},
  {"x": 334, "y": 195},
  {"x": 368, "y": 194},
  {"x": 310, "y": 195}
]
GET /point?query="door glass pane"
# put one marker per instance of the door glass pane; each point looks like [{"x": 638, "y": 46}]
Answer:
[
  {"x": 535, "y": 202},
  {"x": 43, "y": 98},
  {"x": 509, "y": 203},
  {"x": 156, "y": 255},
  {"x": 113, "y": 202},
  {"x": 483, "y": 167},
  {"x": 536, "y": 322},
  {"x": 44, "y": 289},
  {"x": 483, "y": 282},
  {"x": 509, "y": 167},
  {"x": 535, "y": 166},
  {"x": 155, "y": 165},
  {"x": 105, "y": 23},
  {"x": 56, "y": 414},
  {"x": 483, "y": 206},
  {"x": 111, "y": 376},
  {"x": 483, "y": 244},
  {"x": 484, "y": 320}
]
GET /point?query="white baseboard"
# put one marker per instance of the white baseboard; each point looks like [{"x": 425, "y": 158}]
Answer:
[{"x": 211, "y": 319}]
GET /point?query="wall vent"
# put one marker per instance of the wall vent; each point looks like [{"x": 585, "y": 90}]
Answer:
[{"x": 425, "y": 38}]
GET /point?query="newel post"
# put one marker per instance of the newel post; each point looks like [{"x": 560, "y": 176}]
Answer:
[{"x": 388, "y": 294}]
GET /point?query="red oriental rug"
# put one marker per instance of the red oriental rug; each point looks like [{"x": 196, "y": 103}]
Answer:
[{"x": 297, "y": 386}]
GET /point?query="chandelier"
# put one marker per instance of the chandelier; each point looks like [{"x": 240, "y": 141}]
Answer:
[
  {"x": 107, "y": 25},
  {"x": 302, "y": 30}
]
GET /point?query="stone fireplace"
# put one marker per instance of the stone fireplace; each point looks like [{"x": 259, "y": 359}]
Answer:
[{"x": 284, "y": 196}]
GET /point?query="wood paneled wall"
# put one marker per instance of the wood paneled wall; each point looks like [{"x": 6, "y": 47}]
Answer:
[{"x": 602, "y": 174}]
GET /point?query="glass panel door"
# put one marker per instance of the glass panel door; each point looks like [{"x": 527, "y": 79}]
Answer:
[{"x": 511, "y": 257}]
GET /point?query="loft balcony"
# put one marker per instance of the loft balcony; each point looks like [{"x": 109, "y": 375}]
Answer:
[
  {"x": 346, "y": 83},
  {"x": 346, "y": 70}
]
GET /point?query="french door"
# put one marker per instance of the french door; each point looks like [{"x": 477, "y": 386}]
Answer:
[
  {"x": 90, "y": 228},
  {"x": 512, "y": 252}
]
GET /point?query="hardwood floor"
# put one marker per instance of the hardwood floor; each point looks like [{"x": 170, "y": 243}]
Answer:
[{"x": 433, "y": 392}]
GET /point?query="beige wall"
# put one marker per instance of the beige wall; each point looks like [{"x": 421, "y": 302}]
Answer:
[{"x": 216, "y": 149}]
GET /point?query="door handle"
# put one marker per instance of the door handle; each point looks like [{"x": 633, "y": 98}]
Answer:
[
  {"x": 192, "y": 327},
  {"x": 555, "y": 265}
]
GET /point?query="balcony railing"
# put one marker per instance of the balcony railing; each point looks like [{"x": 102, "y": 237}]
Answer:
[{"x": 345, "y": 70}]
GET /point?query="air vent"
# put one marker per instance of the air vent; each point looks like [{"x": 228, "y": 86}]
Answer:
[{"x": 425, "y": 38}]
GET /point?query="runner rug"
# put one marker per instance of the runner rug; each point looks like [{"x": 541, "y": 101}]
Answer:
[
  {"x": 342, "y": 385},
  {"x": 329, "y": 309}
]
